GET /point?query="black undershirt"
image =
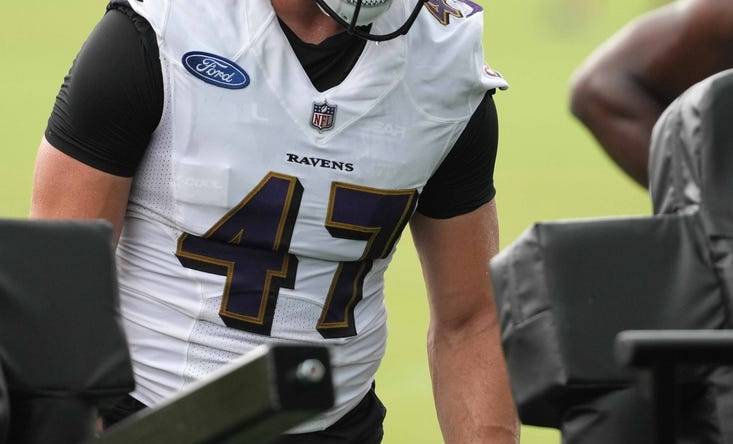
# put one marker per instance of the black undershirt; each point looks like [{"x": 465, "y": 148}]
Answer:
[{"x": 112, "y": 100}]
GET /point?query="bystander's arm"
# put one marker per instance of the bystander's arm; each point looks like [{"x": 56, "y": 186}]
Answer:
[{"x": 625, "y": 85}]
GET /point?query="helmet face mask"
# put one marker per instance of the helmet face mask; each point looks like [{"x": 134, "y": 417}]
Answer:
[
  {"x": 352, "y": 14},
  {"x": 370, "y": 10}
]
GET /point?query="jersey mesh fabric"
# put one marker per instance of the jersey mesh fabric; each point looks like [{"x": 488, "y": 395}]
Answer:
[
  {"x": 152, "y": 190},
  {"x": 151, "y": 198}
]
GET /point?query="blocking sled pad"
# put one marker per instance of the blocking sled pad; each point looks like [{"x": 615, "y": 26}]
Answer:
[
  {"x": 691, "y": 155},
  {"x": 565, "y": 289},
  {"x": 691, "y": 166},
  {"x": 60, "y": 338}
]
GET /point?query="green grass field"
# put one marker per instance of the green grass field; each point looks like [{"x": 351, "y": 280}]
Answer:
[{"x": 548, "y": 167}]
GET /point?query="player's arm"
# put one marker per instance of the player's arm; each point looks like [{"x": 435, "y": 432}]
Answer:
[
  {"x": 455, "y": 233},
  {"x": 470, "y": 382},
  {"x": 622, "y": 89},
  {"x": 65, "y": 188},
  {"x": 101, "y": 124}
]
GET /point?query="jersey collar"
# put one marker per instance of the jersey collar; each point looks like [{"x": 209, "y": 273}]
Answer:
[{"x": 377, "y": 72}]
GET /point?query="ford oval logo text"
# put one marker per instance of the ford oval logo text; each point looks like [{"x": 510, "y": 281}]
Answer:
[{"x": 215, "y": 70}]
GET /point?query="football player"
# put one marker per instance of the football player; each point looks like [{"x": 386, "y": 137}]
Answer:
[
  {"x": 623, "y": 88},
  {"x": 259, "y": 163}
]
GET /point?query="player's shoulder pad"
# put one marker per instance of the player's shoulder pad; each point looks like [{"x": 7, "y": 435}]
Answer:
[
  {"x": 446, "y": 75},
  {"x": 196, "y": 24}
]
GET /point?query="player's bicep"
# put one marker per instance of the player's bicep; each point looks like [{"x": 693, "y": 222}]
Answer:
[
  {"x": 454, "y": 254},
  {"x": 65, "y": 188}
]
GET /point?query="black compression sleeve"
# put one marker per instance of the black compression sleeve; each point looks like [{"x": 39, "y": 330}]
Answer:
[
  {"x": 112, "y": 99},
  {"x": 465, "y": 179}
]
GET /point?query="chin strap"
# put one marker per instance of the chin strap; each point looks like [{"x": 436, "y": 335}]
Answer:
[{"x": 352, "y": 29}]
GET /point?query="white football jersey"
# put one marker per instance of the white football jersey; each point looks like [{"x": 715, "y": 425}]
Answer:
[{"x": 265, "y": 211}]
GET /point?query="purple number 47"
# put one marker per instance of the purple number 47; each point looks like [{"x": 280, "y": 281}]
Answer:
[{"x": 250, "y": 244}]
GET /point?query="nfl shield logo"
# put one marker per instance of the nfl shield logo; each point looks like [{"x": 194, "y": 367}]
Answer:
[{"x": 323, "y": 116}]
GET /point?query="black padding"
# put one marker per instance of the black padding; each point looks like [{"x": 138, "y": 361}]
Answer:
[
  {"x": 59, "y": 329},
  {"x": 61, "y": 344},
  {"x": 566, "y": 289},
  {"x": 4, "y": 408},
  {"x": 692, "y": 155},
  {"x": 625, "y": 416},
  {"x": 716, "y": 108},
  {"x": 691, "y": 171},
  {"x": 58, "y": 420},
  {"x": 612, "y": 417}
]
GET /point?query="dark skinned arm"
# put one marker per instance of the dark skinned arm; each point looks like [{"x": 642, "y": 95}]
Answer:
[{"x": 625, "y": 85}]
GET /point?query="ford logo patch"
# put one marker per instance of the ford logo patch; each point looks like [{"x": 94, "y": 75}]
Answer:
[{"x": 215, "y": 70}]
